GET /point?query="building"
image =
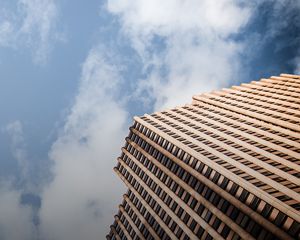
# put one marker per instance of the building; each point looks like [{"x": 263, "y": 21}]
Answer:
[{"x": 226, "y": 166}]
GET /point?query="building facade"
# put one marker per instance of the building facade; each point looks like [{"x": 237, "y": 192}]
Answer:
[{"x": 226, "y": 166}]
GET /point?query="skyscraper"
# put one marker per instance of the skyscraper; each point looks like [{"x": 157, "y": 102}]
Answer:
[{"x": 226, "y": 166}]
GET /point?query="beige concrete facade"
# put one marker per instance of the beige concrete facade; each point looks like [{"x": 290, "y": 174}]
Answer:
[{"x": 226, "y": 166}]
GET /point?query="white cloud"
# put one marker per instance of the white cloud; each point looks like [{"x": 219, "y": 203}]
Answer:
[
  {"x": 33, "y": 25},
  {"x": 15, "y": 219},
  {"x": 167, "y": 17},
  {"x": 18, "y": 146},
  {"x": 6, "y": 32},
  {"x": 82, "y": 198},
  {"x": 198, "y": 54}
]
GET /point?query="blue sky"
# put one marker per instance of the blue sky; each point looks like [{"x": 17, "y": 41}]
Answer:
[{"x": 74, "y": 73}]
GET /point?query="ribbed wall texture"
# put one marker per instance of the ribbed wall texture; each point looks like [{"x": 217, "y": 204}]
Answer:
[{"x": 226, "y": 166}]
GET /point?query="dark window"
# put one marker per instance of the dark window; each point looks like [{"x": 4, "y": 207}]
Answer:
[
  {"x": 225, "y": 231},
  {"x": 294, "y": 229},
  {"x": 280, "y": 219}
]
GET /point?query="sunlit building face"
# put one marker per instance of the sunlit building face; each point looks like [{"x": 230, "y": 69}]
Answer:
[{"x": 226, "y": 166}]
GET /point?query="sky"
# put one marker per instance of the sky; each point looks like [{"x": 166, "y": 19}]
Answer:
[{"x": 74, "y": 73}]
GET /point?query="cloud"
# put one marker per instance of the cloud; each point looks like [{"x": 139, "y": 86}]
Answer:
[
  {"x": 6, "y": 31},
  {"x": 33, "y": 25},
  {"x": 145, "y": 18},
  {"x": 189, "y": 47},
  {"x": 196, "y": 54},
  {"x": 25, "y": 166},
  {"x": 15, "y": 219},
  {"x": 283, "y": 13},
  {"x": 18, "y": 146},
  {"x": 272, "y": 38},
  {"x": 82, "y": 198},
  {"x": 18, "y": 218},
  {"x": 185, "y": 48},
  {"x": 286, "y": 20}
]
